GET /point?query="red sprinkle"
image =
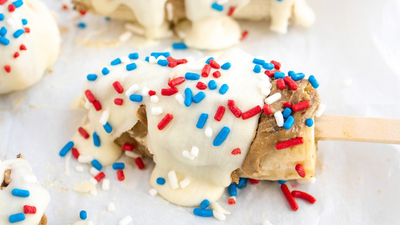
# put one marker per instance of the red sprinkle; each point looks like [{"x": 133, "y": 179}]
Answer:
[
  {"x": 139, "y": 163},
  {"x": 206, "y": 70},
  {"x": 11, "y": 7},
  {"x": 7, "y": 68},
  {"x": 16, "y": 54},
  {"x": 90, "y": 96},
  {"x": 169, "y": 91},
  {"x": 276, "y": 64},
  {"x": 64, "y": 6},
  {"x": 22, "y": 48},
  {"x": 270, "y": 73},
  {"x": 252, "y": 112},
  {"x": 174, "y": 62},
  {"x": 151, "y": 92},
  {"x": 300, "y": 106},
  {"x": 231, "y": 10},
  {"x": 214, "y": 64},
  {"x": 216, "y": 74},
  {"x": 236, "y": 151},
  {"x": 179, "y": 80},
  {"x": 27, "y": 30},
  {"x": 128, "y": 147},
  {"x": 29, "y": 209},
  {"x": 305, "y": 196},
  {"x": 287, "y": 105},
  {"x": 281, "y": 84},
  {"x": 253, "y": 181},
  {"x": 289, "y": 197},
  {"x": 200, "y": 85},
  {"x": 83, "y": 132},
  {"x": 120, "y": 175},
  {"x": 234, "y": 109},
  {"x": 165, "y": 121},
  {"x": 2, "y": 2},
  {"x": 231, "y": 201},
  {"x": 300, "y": 170},
  {"x": 75, "y": 153},
  {"x": 290, "y": 143},
  {"x": 290, "y": 82},
  {"x": 220, "y": 113},
  {"x": 244, "y": 35},
  {"x": 118, "y": 87},
  {"x": 118, "y": 101},
  {"x": 100, "y": 176},
  {"x": 267, "y": 110},
  {"x": 82, "y": 12},
  {"x": 97, "y": 105}
]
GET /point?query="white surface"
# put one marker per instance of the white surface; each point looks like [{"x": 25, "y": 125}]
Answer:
[{"x": 357, "y": 183}]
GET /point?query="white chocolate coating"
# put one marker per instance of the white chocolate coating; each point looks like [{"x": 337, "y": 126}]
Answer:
[
  {"x": 9, "y": 204},
  {"x": 42, "y": 44},
  {"x": 209, "y": 172}
]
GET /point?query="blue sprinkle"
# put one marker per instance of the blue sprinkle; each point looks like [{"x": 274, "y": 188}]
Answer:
[
  {"x": 147, "y": 59},
  {"x": 232, "y": 190},
  {"x": 91, "y": 77},
  {"x": 81, "y": 25},
  {"x": 309, "y": 122},
  {"x": 20, "y": 193},
  {"x": 258, "y": 61},
  {"x": 118, "y": 166},
  {"x": 1, "y": 16},
  {"x": 96, "y": 139},
  {"x": 226, "y": 66},
  {"x": 202, "y": 212},
  {"x": 268, "y": 66},
  {"x": 4, "y": 41},
  {"x": 217, "y": 7},
  {"x": 204, "y": 204},
  {"x": 18, "y": 33},
  {"x": 66, "y": 148},
  {"x": 136, "y": 98},
  {"x": 96, "y": 164},
  {"x": 221, "y": 136},
  {"x": 281, "y": 181},
  {"x": 257, "y": 69},
  {"x": 192, "y": 76},
  {"x": 279, "y": 75},
  {"x": 24, "y": 22},
  {"x": 160, "y": 181},
  {"x": 188, "y": 97},
  {"x": 107, "y": 18},
  {"x": 157, "y": 54},
  {"x": 198, "y": 97},
  {"x": 288, "y": 123},
  {"x": 298, "y": 76},
  {"x": 313, "y": 81},
  {"x": 242, "y": 183},
  {"x": 162, "y": 62},
  {"x": 105, "y": 71},
  {"x": 179, "y": 46},
  {"x": 134, "y": 56},
  {"x": 83, "y": 215},
  {"x": 208, "y": 60},
  {"x": 286, "y": 113},
  {"x": 18, "y": 3},
  {"x": 108, "y": 128},
  {"x": 291, "y": 73},
  {"x": 212, "y": 85},
  {"x": 116, "y": 62},
  {"x": 16, "y": 218},
  {"x": 202, "y": 120},
  {"x": 131, "y": 66},
  {"x": 223, "y": 89}
]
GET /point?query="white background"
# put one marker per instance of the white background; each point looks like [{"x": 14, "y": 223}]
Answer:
[{"x": 357, "y": 183}]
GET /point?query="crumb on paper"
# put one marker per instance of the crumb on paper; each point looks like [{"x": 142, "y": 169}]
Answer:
[
  {"x": 62, "y": 190},
  {"x": 379, "y": 191},
  {"x": 19, "y": 101}
]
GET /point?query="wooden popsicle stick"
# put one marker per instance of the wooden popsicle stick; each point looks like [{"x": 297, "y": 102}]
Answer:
[{"x": 360, "y": 129}]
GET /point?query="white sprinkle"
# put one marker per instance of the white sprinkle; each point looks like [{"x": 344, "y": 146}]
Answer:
[
  {"x": 161, "y": 57},
  {"x": 194, "y": 67},
  {"x": 145, "y": 91},
  {"x": 132, "y": 90},
  {"x": 87, "y": 104},
  {"x": 30, "y": 179},
  {"x": 132, "y": 154},
  {"x": 180, "y": 99},
  {"x": 124, "y": 59},
  {"x": 219, "y": 216},
  {"x": 156, "y": 111},
  {"x": 306, "y": 181},
  {"x": 188, "y": 155},
  {"x": 152, "y": 60},
  {"x": 94, "y": 171},
  {"x": 189, "y": 58},
  {"x": 273, "y": 98},
  {"x": 217, "y": 207},
  {"x": 154, "y": 99},
  {"x": 347, "y": 82},
  {"x": 105, "y": 186},
  {"x": 320, "y": 110},
  {"x": 266, "y": 223},
  {"x": 125, "y": 36},
  {"x": 208, "y": 132},
  {"x": 264, "y": 84},
  {"x": 184, "y": 183},
  {"x": 195, "y": 151},
  {"x": 125, "y": 221},
  {"x": 79, "y": 169},
  {"x": 93, "y": 181},
  {"x": 173, "y": 180},
  {"x": 262, "y": 76},
  {"x": 104, "y": 117},
  {"x": 111, "y": 207},
  {"x": 152, "y": 192},
  {"x": 221, "y": 2},
  {"x": 11, "y": 22},
  {"x": 89, "y": 222},
  {"x": 134, "y": 28},
  {"x": 265, "y": 91},
  {"x": 170, "y": 12},
  {"x": 279, "y": 118},
  {"x": 93, "y": 192},
  {"x": 85, "y": 158}
]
